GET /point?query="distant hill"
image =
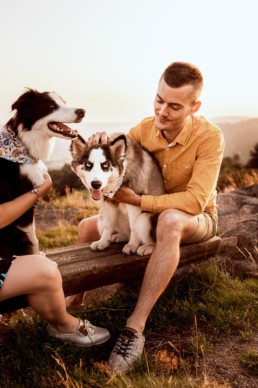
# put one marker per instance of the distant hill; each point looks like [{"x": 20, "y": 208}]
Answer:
[{"x": 240, "y": 136}]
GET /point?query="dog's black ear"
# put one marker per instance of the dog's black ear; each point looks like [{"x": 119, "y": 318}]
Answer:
[
  {"x": 78, "y": 146},
  {"x": 25, "y": 100},
  {"x": 118, "y": 146}
]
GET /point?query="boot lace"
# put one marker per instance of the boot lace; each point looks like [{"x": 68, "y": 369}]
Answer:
[{"x": 125, "y": 343}]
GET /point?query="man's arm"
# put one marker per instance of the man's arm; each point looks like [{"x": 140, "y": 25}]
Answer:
[{"x": 200, "y": 187}]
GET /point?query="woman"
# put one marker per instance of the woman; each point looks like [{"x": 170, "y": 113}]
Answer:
[{"x": 39, "y": 278}]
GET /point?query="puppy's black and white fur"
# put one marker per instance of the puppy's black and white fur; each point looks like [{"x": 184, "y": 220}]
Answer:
[
  {"x": 105, "y": 168},
  {"x": 38, "y": 119}
]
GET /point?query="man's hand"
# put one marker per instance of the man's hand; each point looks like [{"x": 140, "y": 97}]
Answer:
[
  {"x": 126, "y": 195},
  {"x": 99, "y": 138}
]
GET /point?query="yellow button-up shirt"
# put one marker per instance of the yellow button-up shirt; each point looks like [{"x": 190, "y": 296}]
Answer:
[{"x": 190, "y": 165}]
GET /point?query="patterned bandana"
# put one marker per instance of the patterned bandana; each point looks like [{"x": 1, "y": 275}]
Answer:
[{"x": 11, "y": 148}]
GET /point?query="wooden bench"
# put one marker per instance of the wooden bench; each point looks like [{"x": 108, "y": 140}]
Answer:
[{"x": 83, "y": 269}]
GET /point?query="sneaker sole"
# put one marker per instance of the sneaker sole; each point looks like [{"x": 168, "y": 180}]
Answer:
[{"x": 81, "y": 345}]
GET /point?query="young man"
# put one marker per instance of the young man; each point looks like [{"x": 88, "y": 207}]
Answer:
[{"x": 189, "y": 150}]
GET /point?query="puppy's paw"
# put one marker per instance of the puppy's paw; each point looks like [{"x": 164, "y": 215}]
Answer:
[
  {"x": 129, "y": 249},
  {"x": 99, "y": 245},
  {"x": 145, "y": 249}
]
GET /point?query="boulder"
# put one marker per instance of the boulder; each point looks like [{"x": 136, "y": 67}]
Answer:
[
  {"x": 238, "y": 225},
  {"x": 236, "y": 206}
]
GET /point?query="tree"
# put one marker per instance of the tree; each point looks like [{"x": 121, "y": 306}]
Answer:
[
  {"x": 253, "y": 161},
  {"x": 231, "y": 163},
  {"x": 65, "y": 178}
]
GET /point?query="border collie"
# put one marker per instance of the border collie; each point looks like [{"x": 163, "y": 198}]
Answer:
[{"x": 26, "y": 140}]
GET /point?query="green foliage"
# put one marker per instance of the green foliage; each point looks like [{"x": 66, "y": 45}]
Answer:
[
  {"x": 249, "y": 360},
  {"x": 253, "y": 161},
  {"x": 231, "y": 163},
  {"x": 231, "y": 178},
  {"x": 65, "y": 178}
]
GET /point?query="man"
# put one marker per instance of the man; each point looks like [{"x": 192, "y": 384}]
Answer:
[{"x": 189, "y": 150}]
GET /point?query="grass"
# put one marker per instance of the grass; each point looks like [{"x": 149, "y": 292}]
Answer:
[
  {"x": 77, "y": 206},
  {"x": 249, "y": 360},
  {"x": 206, "y": 302},
  {"x": 206, "y": 297},
  {"x": 58, "y": 237}
]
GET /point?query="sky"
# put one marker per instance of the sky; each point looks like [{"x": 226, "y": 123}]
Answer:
[{"x": 107, "y": 55}]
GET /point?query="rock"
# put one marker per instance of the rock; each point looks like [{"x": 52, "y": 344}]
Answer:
[
  {"x": 236, "y": 206},
  {"x": 246, "y": 232},
  {"x": 238, "y": 224}
]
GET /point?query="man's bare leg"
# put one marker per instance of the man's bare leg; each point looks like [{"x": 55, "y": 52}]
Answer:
[
  {"x": 173, "y": 227},
  {"x": 88, "y": 230}
]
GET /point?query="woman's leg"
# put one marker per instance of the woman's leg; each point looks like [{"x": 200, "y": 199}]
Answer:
[{"x": 39, "y": 278}]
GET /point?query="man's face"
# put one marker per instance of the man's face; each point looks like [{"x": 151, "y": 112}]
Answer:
[{"x": 173, "y": 105}]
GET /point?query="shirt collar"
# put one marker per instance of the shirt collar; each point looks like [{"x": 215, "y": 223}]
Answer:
[{"x": 183, "y": 135}]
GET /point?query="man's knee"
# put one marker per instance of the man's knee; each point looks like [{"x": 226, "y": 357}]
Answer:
[
  {"x": 170, "y": 222},
  {"x": 88, "y": 230}
]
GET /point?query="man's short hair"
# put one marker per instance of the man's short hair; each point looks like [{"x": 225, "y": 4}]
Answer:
[{"x": 178, "y": 74}]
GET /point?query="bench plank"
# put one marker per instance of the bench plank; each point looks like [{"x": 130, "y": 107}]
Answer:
[{"x": 83, "y": 269}]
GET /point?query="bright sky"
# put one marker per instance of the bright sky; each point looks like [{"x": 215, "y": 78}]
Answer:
[{"x": 107, "y": 55}]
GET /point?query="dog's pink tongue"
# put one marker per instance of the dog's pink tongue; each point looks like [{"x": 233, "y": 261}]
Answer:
[{"x": 96, "y": 195}]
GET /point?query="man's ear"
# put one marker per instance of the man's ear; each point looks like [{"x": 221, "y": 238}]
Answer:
[{"x": 195, "y": 107}]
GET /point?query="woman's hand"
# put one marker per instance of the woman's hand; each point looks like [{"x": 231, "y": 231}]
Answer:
[
  {"x": 10, "y": 211},
  {"x": 46, "y": 186}
]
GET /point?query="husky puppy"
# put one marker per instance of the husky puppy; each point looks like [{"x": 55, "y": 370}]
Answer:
[
  {"x": 103, "y": 169},
  {"x": 26, "y": 140}
]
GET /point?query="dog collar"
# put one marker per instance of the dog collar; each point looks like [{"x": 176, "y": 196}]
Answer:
[
  {"x": 111, "y": 193},
  {"x": 11, "y": 148}
]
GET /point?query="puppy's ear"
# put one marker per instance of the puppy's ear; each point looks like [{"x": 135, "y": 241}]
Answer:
[
  {"x": 78, "y": 146},
  {"x": 118, "y": 147}
]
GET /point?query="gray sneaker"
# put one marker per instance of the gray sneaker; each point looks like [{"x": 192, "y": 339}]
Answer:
[
  {"x": 86, "y": 335},
  {"x": 127, "y": 350}
]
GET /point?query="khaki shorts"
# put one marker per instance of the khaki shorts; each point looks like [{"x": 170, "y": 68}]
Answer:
[{"x": 206, "y": 229}]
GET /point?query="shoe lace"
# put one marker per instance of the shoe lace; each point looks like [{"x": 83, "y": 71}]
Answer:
[
  {"x": 125, "y": 343},
  {"x": 88, "y": 327}
]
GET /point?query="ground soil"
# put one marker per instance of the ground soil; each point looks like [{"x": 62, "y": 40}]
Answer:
[{"x": 220, "y": 364}]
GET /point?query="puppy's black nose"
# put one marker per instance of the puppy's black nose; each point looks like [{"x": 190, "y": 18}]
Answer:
[
  {"x": 80, "y": 112},
  {"x": 96, "y": 184}
]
